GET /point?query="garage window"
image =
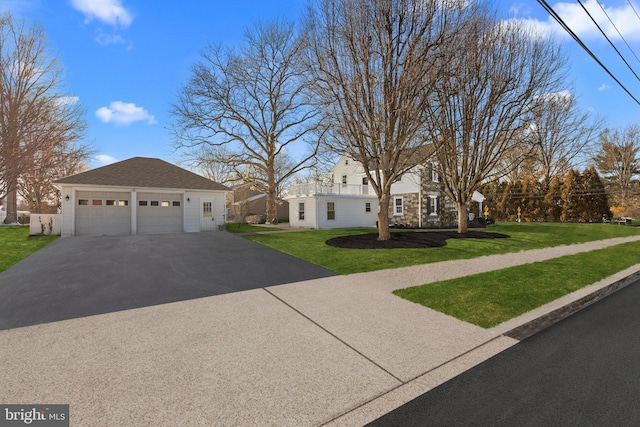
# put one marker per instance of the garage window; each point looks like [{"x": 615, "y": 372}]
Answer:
[
  {"x": 111, "y": 202},
  {"x": 331, "y": 210},
  {"x": 142, "y": 203},
  {"x": 154, "y": 203},
  {"x": 176, "y": 203},
  {"x": 123, "y": 203},
  {"x": 83, "y": 202},
  {"x": 165, "y": 204},
  {"x": 96, "y": 202}
]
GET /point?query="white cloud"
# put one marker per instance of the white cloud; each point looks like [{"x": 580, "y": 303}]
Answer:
[
  {"x": 68, "y": 100},
  {"x": 104, "y": 159},
  {"x": 603, "y": 87},
  {"x": 110, "y": 12},
  {"x": 104, "y": 39},
  {"x": 623, "y": 16},
  {"x": 124, "y": 113}
]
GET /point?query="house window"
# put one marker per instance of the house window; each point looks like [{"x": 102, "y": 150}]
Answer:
[
  {"x": 365, "y": 181},
  {"x": 398, "y": 208},
  {"x": 433, "y": 205},
  {"x": 331, "y": 210},
  {"x": 434, "y": 175},
  {"x": 123, "y": 203},
  {"x": 346, "y": 162},
  {"x": 176, "y": 203},
  {"x": 142, "y": 203},
  {"x": 301, "y": 211},
  {"x": 367, "y": 207},
  {"x": 155, "y": 203},
  {"x": 96, "y": 202},
  {"x": 165, "y": 204},
  {"x": 344, "y": 179},
  {"x": 83, "y": 202},
  {"x": 111, "y": 202}
]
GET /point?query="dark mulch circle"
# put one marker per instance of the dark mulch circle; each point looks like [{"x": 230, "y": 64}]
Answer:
[{"x": 409, "y": 239}]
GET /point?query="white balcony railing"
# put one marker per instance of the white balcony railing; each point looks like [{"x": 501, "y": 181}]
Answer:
[{"x": 313, "y": 188}]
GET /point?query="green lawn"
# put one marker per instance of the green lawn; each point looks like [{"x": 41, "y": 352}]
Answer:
[
  {"x": 310, "y": 245},
  {"x": 241, "y": 227},
  {"x": 16, "y": 244},
  {"x": 489, "y": 299}
]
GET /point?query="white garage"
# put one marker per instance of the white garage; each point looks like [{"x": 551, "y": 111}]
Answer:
[{"x": 140, "y": 196}]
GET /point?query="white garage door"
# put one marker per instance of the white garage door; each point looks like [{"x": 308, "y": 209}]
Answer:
[
  {"x": 159, "y": 213},
  {"x": 102, "y": 213}
]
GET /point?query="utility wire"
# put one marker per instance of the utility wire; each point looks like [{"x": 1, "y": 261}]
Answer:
[
  {"x": 634, "y": 9},
  {"x": 608, "y": 39},
  {"x": 618, "y": 31},
  {"x": 559, "y": 20}
]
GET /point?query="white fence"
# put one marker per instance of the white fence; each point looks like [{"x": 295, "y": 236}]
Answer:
[
  {"x": 46, "y": 224},
  {"x": 313, "y": 188}
]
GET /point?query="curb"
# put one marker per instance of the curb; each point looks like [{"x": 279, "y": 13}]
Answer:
[{"x": 544, "y": 321}]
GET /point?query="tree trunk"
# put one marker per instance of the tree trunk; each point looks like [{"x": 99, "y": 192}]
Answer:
[
  {"x": 383, "y": 217},
  {"x": 462, "y": 218},
  {"x": 12, "y": 206},
  {"x": 272, "y": 209}
]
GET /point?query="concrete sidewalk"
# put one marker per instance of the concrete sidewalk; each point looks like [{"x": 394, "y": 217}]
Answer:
[{"x": 334, "y": 351}]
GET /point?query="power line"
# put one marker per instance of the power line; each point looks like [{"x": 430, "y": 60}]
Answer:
[
  {"x": 608, "y": 39},
  {"x": 559, "y": 20},
  {"x": 618, "y": 31}
]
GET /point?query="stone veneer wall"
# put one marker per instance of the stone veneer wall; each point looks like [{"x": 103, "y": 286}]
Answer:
[{"x": 411, "y": 209}]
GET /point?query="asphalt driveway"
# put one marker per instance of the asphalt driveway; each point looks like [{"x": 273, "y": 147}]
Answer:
[{"x": 82, "y": 276}]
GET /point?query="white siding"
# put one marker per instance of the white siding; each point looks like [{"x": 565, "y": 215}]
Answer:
[
  {"x": 349, "y": 212},
  {"x": 310, "y": 210},
  {"x": 410, "y": 183}
]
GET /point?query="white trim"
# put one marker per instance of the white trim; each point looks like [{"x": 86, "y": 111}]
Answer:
[{"x": 395, "y": 211}]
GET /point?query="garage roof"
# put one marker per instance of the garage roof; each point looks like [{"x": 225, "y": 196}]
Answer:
[{"x": 143, "y": 172}]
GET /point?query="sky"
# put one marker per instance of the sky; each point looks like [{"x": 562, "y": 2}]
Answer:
[{"x": 126, "y": 60}]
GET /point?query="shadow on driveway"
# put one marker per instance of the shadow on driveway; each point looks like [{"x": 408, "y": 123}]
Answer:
[{"x": 83, "y": 276}]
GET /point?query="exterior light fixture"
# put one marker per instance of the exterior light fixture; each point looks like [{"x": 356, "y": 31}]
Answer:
[{"x": 67, "y": 198}]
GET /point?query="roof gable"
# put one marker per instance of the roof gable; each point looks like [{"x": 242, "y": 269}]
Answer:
[{"x": 143, "y": 172}]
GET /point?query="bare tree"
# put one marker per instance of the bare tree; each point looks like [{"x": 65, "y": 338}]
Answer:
[
  {"x": 212, "y": 162},
  {"x": 375, "y": 64},
  {"x": 619, "y": 161},
  {"x": 494, "y": 74},
  {"x": 257, "y": 101},
  {"x": 36, "y": 116},
  {"x": 559, "y": 133}
]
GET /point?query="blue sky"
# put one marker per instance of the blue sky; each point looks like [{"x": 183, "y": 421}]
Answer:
[{"x": 127, "y": 59}]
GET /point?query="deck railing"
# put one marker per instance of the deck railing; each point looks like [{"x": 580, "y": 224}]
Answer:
[{"x": 313, "y": 188}]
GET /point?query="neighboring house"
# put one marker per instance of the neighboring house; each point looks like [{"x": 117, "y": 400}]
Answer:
[
  {"x": 417, "y": 200},
  {"x": 245, "y": 201},
  {"x": 140, "y": 196}
]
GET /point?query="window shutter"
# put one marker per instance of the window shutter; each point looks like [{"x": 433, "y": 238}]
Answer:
[
  {"x": 438, "y": 205},
  {"x": 428, "y": 205}
]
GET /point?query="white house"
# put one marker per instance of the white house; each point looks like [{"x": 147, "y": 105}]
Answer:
[
  {"x": 140, "y": 196},
  {"x": 417, "y": 200}
]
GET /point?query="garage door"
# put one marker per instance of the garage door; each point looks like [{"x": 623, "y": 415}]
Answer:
[
  {"x": 103, "y": 213},
  {"x": 159, "y": 213}
]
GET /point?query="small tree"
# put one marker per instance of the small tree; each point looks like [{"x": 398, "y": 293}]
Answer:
[
  {"x": 619, "y": 161},
  {"x": 595, "y": 201},
  {"x": 493, "y": 75},
  {"x": 375, "y": 64},
  {"x": 38, "y": 120},
  {"x": 553, "y": 200},
  {"x": 257, "y": 101},
  {"x": 571, "y": 195}
]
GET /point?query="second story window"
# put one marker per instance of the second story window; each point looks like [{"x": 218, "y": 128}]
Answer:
[{"x": 344, "y": 179}]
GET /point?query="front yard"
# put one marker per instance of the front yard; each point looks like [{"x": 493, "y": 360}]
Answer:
[
  {"x": 16, "y": 244},
  {"x": 310, "y": 245}
]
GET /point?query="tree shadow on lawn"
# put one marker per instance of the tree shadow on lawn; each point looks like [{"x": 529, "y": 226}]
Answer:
[{"x": 406, "y": 240}]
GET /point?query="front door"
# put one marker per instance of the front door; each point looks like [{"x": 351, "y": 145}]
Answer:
[{"x": 207, "y": 221}]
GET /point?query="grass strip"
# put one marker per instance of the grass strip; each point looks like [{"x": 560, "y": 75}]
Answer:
[
  {"x": 241, "y": 227},
  {"x": 488, "y": 299},
  {"x": 310, "y": 245},
  {"x": 16, "y": 244}
]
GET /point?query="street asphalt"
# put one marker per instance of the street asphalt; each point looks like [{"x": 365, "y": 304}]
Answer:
[
  {"x": 83, "y": 276},
  {"x": 582, "y": 371}
]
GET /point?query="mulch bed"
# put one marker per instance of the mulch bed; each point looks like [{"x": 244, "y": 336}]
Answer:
[{"x": 409, "y": 239}]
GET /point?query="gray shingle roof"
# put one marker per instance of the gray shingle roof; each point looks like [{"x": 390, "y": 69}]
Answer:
[{"x": 143, "y": 172}]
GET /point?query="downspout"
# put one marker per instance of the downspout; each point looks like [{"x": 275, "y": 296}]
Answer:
[{"x": 420, "y": 200}]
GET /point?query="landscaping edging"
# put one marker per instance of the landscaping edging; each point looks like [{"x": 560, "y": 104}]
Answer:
[{"x": 532, "y": 327}]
